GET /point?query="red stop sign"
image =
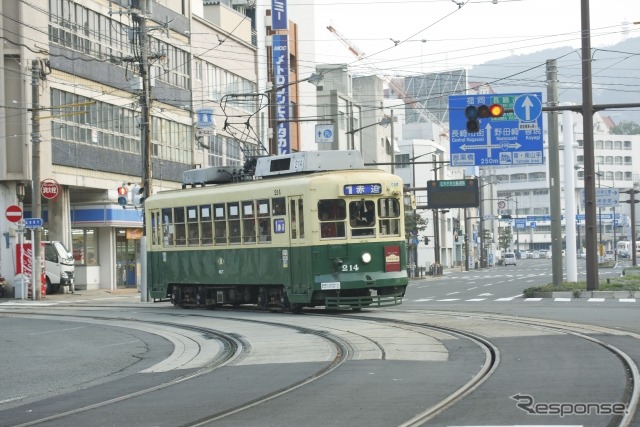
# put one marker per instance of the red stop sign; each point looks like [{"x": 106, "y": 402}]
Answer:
[{"x": 49, "y": 189}]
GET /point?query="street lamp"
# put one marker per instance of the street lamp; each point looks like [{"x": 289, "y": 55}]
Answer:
[{"x": 384, "y": 122}]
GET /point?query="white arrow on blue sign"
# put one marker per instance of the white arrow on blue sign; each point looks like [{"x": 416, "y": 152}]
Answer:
[{"x": 33, "y": 222}]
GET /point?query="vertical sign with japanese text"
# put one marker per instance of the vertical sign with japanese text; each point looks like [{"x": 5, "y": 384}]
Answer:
[
  {"x": 279, "y": 20},
  {"x": 280, "y": 48}
]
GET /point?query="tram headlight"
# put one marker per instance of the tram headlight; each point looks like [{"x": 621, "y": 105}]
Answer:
[{"x": 366, "y": 257}]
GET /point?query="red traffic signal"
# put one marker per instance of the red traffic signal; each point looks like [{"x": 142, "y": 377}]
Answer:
[
  {"x": 474, "y": 113},
  {"x": 122, "y": 196}
]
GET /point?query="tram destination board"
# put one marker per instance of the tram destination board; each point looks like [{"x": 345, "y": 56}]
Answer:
[{"x": 453, "y": 193}]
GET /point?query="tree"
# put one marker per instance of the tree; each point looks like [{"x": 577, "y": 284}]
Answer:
[
  {"x": 505, "y": 238},
  {"x": 625, "y": 128},
  {"x": 412, "y": 221}
]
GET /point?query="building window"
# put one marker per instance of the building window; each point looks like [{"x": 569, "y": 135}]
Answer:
[
  {"x": 85, "y": 246},
  {"x": 402, "y": 161}
]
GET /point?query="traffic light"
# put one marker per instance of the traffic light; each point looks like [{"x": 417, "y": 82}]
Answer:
[
  {"x": 455, "y": 237},
  {"x": 426, "y": 240},
  {"x": 504, "y": 216},
  {"x": 123, "y": 198},
  {"x": 138, "y": 195},
  {"x": 475, "y": 113}
]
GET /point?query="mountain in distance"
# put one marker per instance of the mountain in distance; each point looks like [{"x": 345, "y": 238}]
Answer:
[{"x": 614, "y": 73}]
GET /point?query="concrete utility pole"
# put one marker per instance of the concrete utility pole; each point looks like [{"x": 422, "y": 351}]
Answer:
[
  {"x": 589, "y": 153},
  {"x": 145, "y": 136},
  {"x": 36, "y": 203},
  {"x": 554, "y": 173}
]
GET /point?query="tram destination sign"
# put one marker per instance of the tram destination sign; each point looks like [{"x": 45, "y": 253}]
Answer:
[
  {"x": 453, "y": 193},
  {"x": 516, "y": 138},
  {"x": 360, "y": 189}
]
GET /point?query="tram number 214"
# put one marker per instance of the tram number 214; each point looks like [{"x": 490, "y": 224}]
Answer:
[{"x": 350, "y": 267}]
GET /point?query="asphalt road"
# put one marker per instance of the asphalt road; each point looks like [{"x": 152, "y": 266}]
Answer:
[{"x": 100, "y": 353}]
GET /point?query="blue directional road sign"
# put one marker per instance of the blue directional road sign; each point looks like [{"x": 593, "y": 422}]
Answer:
[
  {"x": 516, "y": 138},
  {"x": 33, "y": 222}
]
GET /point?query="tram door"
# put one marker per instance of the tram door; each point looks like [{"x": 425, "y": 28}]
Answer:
[{"x": 297, "y": 265}]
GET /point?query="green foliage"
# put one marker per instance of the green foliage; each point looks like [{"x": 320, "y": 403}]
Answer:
[
  {"x": 625, "y": 128},
  {"x": 505, "y": 238},
  {"x": 412, "y": 221}
]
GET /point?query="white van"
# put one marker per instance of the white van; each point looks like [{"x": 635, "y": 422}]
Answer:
[
  {"x": 509, "y": 259},
  {"x": 58, "y": 266}
]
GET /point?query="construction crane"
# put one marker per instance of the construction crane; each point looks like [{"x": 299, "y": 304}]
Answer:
[{"x": 398, "y": 89}]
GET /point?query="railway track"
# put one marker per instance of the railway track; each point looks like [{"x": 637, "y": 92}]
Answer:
[{"x": 388, "y": 336}]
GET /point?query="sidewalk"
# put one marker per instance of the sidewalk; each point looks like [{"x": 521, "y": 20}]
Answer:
[{"x": 84, "y": 295}]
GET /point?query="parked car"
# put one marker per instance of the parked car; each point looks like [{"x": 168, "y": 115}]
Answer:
[
  {"x": 509, "y": 259},
  {"x": 544, "y": 253}
]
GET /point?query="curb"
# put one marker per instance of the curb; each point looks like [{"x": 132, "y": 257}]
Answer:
[{"x": 589, "y": 294}]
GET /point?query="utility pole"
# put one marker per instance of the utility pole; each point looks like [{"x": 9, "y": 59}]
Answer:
[
  {"x": 589, "y": 150},
  {"x": 36, "y": 203},
  {"x": 145, "y": 135},
  {"x": 554, "y": 173}
]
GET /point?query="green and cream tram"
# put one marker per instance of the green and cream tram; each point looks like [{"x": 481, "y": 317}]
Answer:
[{"x": 309, "y": 229}]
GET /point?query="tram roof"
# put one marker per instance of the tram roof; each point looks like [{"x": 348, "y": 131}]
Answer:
[{"x": 274, "y": 166}]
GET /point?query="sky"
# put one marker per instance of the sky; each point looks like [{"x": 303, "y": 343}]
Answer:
[{"x": 407, "y": 37}]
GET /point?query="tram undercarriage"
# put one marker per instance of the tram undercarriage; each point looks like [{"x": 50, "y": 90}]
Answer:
[{"x": 275, "y": 298}]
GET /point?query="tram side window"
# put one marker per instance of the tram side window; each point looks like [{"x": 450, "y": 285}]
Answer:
[
  {"x": 167, "y": 227},
  {"x": 233, "y": 214},
  {"x": 264, "y": 221},
  {"x": 155, "y": 228},
  {"x": 279, "y": 206},
  {"x": 179, "y": 224},
  {"x": 362, "y": 218},
  {"x": 220, "y": 224},
  {"x": 294, "y": 225},
  {"x": 206, "y": 224},
  {"x": 332, "y": 216},
  {"x": 248, "y": 222},
  {"x": 301, "y": 217},
  {"x": 389, "y": 213},
  {"x": 193, "y": 230}
]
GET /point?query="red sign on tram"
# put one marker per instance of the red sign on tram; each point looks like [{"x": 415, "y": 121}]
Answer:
[{"x": 49, "y": 189}]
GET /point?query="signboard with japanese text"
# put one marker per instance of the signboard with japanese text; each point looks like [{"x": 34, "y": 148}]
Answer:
[
  {"x": 453, "y": 193},
  {"x": 516, "y": 138},
  {"x": 360, "y": 189},
  {"x": 280, "y": 53},
  {"x": 605, "y": 197},
  {"x": 279, "y": 20}
]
